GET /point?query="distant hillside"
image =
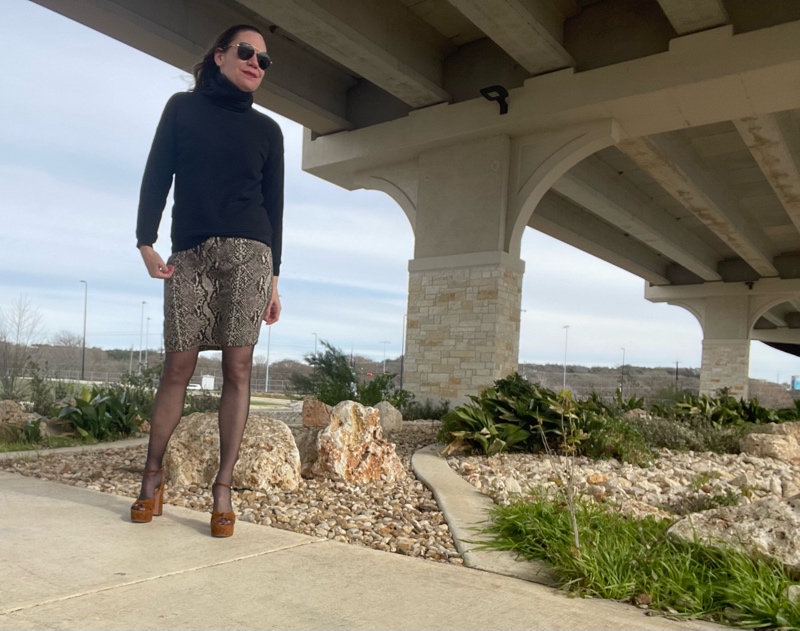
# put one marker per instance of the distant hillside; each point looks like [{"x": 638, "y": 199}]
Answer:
[{"x": 651, "y": 383}]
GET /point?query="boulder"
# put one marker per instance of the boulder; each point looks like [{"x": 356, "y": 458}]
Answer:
[
  {"x": 779, "y": 446},
  {"x": 390, "y": 417},
  {"x": 315, "y": 413},
  {"x": 781, "y": 429},
  {"x": 307, "y": 446},
  {"x": 268, "y": 458},
  {"x": 766, "y": 526},
  {"x": 352, "y": 447},
  {"x": 11, "y": 413}
]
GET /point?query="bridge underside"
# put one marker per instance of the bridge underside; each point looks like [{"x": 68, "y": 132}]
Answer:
[{"x": 662, "y": 136}]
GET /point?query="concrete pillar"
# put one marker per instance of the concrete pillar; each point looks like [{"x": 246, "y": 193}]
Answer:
[
  {"x": 463, "y": 323},
  {"x": 464, "y": 290},
  {"x": 725, "y": 364},
  {"x": 726, "y": 344}
]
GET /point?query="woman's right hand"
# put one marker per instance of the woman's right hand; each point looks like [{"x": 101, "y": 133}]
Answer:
[{"x": 154, "y": 263}]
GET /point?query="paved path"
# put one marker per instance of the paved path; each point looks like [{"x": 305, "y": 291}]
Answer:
[{"x": 71, "y": 559}]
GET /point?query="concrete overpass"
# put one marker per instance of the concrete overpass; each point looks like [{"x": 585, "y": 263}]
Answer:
[{"x": 662, "y": 136}]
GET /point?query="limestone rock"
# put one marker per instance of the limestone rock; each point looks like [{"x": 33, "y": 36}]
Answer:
[
  {"x": 307, "y": 446},
  {"x": 315, "y": 413},
  {"x": 767, "y": 526},
  {"x": 352, "y": 447},
  {"x": 390, "y": 417},
  {"x": 11, "y": 413},
  {"x": 781, "y": 429},
  {"x": 268, "y": 458},
  {"x": 779, "y": 446}
]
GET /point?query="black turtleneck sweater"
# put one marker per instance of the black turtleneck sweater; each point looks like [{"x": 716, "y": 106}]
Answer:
[{"x": 227, "y": 160}]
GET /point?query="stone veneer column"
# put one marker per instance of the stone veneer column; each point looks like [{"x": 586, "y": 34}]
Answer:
[
  {"x": 726, "y": 364},
  {"x": 463, "y": 323}
]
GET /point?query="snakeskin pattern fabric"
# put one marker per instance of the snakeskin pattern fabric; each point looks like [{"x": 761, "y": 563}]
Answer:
[{"x": 217, "y": 295}]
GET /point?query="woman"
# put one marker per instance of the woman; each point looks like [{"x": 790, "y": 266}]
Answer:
[{"x": 222, "y": 277}]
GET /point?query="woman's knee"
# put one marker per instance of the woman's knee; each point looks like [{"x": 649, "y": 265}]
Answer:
[{"x": 178, "y": 371}]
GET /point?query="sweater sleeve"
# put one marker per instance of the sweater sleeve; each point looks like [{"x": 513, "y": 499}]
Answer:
[
  {"x": 157, "y": 178},
  {"x": 272, "y": 189}
]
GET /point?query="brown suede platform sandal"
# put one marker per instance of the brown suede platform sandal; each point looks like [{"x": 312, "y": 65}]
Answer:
[
  {"x": 218, "y": 527},
  {"x": 142, "y": 510}
]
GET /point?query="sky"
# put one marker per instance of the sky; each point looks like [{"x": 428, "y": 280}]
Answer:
[{"x": 77, "y": 115}]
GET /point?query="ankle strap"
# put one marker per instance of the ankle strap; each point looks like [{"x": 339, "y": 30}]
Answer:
[
  {"x": 227, "y": 486},
  {"x": 161, "y": 470}
]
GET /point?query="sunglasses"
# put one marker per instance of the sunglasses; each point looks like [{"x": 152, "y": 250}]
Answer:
[{"x": 245, "y": 51}]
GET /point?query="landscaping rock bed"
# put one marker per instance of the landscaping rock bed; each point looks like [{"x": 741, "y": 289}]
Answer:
[{"x": 399, "y": 516}]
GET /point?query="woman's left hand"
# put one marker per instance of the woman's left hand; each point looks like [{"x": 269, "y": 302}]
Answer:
[{"x": 273, "y": 312}]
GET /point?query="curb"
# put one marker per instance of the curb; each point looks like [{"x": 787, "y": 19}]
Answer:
[
  {"x": 465, "y": 510},
  {"x": 40, "y": 453}
]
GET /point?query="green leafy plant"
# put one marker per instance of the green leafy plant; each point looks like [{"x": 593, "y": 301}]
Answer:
[
  {"x": 203, "y": 401},
  {"x": 102, "y": 415}
]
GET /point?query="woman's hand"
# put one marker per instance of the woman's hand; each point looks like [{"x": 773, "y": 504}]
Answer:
[
  {"x": 273, "y": 312},
  {"x": 154, "y": 263}
]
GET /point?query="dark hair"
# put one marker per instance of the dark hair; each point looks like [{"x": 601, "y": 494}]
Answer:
[{"x": 206, "y": 69}]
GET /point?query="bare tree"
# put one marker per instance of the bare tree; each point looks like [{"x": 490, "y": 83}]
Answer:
[
  {"x": 20, "y": 325},
  {"x": 65, "y": 352}
]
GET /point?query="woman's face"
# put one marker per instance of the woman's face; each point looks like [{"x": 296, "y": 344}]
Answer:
[{"x": 245, "y": 74}]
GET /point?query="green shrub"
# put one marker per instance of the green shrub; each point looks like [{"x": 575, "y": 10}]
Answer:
[
  {"x": 334, "y": 381},
  {"x": 611, "y": 437},
  {"x": 203, "y": 401},
  {"x": 40, "y": 391},
  {"x": 103, "y": 414},
  {"x": 692, "y": 433},
  {"x": 428, "y": 409},
  {"x": 140, "y": 388}
]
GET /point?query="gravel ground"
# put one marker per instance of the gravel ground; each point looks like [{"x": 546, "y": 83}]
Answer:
[{"x": 400, "y": 517}]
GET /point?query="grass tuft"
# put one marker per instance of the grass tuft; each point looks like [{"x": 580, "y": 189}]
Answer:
[{"x": 634, "y": 560}]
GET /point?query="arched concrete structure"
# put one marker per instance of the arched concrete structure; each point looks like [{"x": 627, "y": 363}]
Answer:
[{"x": 662, "y": 136}]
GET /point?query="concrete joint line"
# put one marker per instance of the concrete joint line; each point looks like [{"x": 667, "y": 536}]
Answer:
[{"x": 107, "y": 588}]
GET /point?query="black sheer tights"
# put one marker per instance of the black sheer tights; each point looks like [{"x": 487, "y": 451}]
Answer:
[{"x": 234, "y": 407}]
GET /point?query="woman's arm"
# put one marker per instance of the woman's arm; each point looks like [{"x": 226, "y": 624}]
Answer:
[{"x": 157, "y": 179}]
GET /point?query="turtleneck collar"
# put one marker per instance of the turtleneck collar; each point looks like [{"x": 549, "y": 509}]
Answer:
[{"x": 223, "y": 93}]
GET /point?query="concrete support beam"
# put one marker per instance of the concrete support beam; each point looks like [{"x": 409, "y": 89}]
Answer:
[
  {"x": 383, "y": 42},
  {"x": 567, "y": 222},
  {"x": 595, "y": 186},
  {"x": 679, "y": 172},
  {"x": 777, "y": 336},
  {"x": 742, "y": 75},
  {"x": 769, "y": 142},
  {"x": 774, "y": 318},
  {"x": 526, "y": 29},
  {"x": 697, "y": 15}
]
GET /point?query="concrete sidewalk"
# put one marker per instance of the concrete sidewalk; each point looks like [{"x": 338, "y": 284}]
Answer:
[{"x": 71, "y": 559}]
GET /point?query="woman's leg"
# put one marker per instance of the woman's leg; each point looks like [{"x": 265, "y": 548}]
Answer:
[
  {"x": 167, "y": 409},
  {"x": 237, "y": 363}
]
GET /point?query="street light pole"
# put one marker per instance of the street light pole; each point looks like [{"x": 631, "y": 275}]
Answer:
[
  {"x": 85, "y": 311},
  {"x": 384, "y": 354},
  {"x": 141, "y": 336},
  {"x": 566, "y": 337},
  {"x": 622, "y": 377},
  {"x": 146, "y": 341}
]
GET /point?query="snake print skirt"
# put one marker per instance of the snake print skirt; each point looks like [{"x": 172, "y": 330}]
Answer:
[{"x": 217, "y": 295}]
